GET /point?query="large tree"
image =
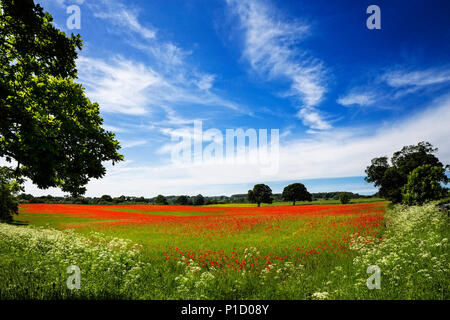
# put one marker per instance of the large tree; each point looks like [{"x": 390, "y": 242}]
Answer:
[
  {"x": 50, "y": 131},
  {"x": 261, "y": 193},
  {"x": 296, "y": 192},
  {"x": 391, "y": 177}
]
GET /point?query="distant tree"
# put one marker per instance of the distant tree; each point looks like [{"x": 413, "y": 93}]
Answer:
[
  {"x": 181, "y": 200},
  {"x": 106, "y": 198},
  {"x": 391, "y": 178},
  {"x": 296, "y": 192},
  {"x": 160, "y": 200},
  {"x": 8, "y": 191},
  {"x": 120, "y": 199},
  {"x": 261, "y": 193},
  {"x": 79, "y": 200},
  {"x": 141, "y": 200},
  {"x": 48, "y": 126},
  {"x": 344, "y": 197},
  {"x": 198, "y": 200},
  {"x": 424, "y": 185},
  {"x": 26, "y": 197}
]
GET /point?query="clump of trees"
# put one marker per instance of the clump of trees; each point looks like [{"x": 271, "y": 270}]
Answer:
[
  {"x": 198, "y": 200},
  {"x": 261, "y": 193},
  {"x": 296, "y": 192},
  {"x": 160, "y": 200},
  {"x": 182, "y": 200},
  {"x": 413, "y": 175}
]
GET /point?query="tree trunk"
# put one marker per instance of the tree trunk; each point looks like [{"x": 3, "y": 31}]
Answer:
[
  {"x": 293, "y": 203},
  {"x": 259, "y": 203}
]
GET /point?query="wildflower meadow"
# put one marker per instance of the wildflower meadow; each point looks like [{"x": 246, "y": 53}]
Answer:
[{"x": 278, "y": 252}]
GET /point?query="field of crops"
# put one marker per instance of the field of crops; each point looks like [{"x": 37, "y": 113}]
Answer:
[{"x": 173, "y": 252}]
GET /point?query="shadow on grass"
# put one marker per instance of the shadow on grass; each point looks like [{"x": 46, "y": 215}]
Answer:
[{"x": 19, "y": 223}]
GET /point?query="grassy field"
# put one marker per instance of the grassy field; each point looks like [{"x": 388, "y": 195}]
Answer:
[{"x": 273, "y": 252}]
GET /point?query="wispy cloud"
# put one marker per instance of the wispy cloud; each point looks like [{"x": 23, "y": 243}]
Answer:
[
  {"x": 271, "y": 49},
  {"x": 357, "y": 98},
  {"x": 121, "y": 16},
  {"x": 416, "y": 78},
  {"x": 129, "y": 87},
  {"x": 62, "y": 2},
  {"x": 394, "y": 84},
  {"x": 120, "y": 86},
  {"x": 132, "y": 144}
]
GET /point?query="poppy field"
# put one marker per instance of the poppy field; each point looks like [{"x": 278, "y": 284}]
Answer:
[
  {"x": 218, "y": 237},
  {"x": 174, "y": 252}
]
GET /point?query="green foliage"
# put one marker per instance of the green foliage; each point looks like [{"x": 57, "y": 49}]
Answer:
[
  {"x": 182, "y": 200},
  {"x": 391, "y": 178},
  {"x": 106, "y": 198},
  {"x": 198, "y": 200},
  {"x": 261, "y": 193},
  {"x": 424, "y": 185},
  {"x": 296, "y": 192},
  {"x": 48, "y": 125},
  {"x": 344, "y": 198},
  {"x": 160, "y": 200},
  {"x": 8, "y": 189}
]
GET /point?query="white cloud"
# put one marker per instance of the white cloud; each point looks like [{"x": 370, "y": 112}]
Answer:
[
  {"x": 114, "y": 128},
  {"x": 129, "y": 87},
  {"x": 118, "y": 14},
  {"x": 205, "y": 81},
  {"x": 395, "y": 84},
  {"x": 270, "y": 49},
  {"x": 132, "y": 144},
  {"x": 121, "y": 86},
  {"x": 416, "y": 78},
  {"x": 63, "y": 2},
  {"x": 313, "y": 119},
  {"x": 357, "y": 98}
]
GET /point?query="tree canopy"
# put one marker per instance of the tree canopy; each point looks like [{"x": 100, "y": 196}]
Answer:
[
  {"x": 423, "y": 185},
  {"x": 344, "y": 197},
  {"x": 161, "y": 200},
  {"x": 49, "y": 130},
  {"x": 182, "y": 200},
  {"x": 391, "y": 178},
  {"x": 261, "y": 193},
  {"x": 198, "y": 200},
  {"x": 296, "y": 192}
]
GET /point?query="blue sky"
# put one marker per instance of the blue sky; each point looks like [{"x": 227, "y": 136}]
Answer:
[{"x": 339, "y": 93}]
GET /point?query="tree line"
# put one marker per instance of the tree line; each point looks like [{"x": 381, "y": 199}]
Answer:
[{"x": 24, "y": 198}]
